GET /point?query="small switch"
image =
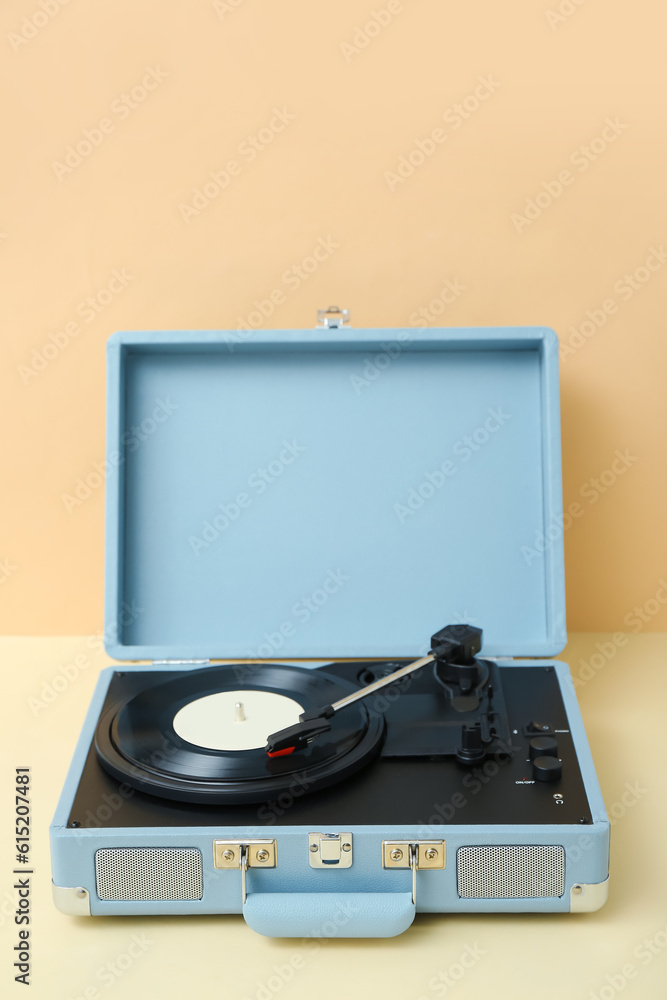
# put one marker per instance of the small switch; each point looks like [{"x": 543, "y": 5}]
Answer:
[{"x": 538, "y": 727}]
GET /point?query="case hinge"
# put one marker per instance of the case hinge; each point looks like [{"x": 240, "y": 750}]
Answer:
[{"x": 171, "y": 663}]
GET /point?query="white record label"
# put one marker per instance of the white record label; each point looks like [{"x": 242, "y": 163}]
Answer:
[{"x": 235, "y": 720}]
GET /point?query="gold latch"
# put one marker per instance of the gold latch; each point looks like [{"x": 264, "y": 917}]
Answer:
[
  {"x": 421, "y": 855},
  {"x": 244, "y": 854},
  {"x": 430, "y": 853}
]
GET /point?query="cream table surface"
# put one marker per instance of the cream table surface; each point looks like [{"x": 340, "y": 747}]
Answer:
[{"x": 622, "y": 683}]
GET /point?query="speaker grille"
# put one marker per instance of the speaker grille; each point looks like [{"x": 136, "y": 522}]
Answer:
[
  {"x": 149, "y": 873},
  {"x": 510, "y": 871}
]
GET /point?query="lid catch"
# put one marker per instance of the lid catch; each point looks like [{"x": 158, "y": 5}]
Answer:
[{"x": 332, "y": 318}]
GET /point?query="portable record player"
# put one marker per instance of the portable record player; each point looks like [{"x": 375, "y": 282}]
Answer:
[{"x": 292, "y": 519}]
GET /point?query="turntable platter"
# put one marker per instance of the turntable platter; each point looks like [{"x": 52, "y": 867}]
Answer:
[{"x": 184, "y": 739}]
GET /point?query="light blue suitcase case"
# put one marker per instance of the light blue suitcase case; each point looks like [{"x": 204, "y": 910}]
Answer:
[{"x": 303, "y": 496}]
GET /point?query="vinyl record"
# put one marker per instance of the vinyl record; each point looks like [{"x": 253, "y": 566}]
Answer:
[{"x": 165, "y": 740}]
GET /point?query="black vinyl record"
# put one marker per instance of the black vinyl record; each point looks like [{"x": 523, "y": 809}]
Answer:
[{"x": 136, "y": 741}]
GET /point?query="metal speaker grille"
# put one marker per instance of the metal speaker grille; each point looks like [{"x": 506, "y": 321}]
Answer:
[
  {"x": 510, "y": 871},
  {"x": 149, "y": 873}
]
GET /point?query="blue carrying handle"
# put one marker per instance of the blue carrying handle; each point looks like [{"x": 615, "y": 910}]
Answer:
[{"x": 329, "y": 914}]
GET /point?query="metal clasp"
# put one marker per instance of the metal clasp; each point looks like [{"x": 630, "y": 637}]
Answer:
[
  {"x": 426, "y": 854},
  {"x": 332, "y": 318},
  {"x": 330, "y": 850},
  {"x": 244, "y": 854}
]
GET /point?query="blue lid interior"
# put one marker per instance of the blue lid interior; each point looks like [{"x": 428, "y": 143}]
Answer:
[{"x": 332, "y": 493}]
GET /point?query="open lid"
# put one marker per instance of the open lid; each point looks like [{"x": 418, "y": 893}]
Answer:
[{"x": 332, "y": 492}]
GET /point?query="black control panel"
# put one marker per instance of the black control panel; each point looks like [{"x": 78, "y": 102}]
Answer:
[{"x": 532, "y": 775}]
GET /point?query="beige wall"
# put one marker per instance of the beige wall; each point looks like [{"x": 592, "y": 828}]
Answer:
[{"x": 516, "y": 94}]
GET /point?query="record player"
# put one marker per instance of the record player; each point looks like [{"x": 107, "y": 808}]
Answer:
[{"x": 292, "y": 519}]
